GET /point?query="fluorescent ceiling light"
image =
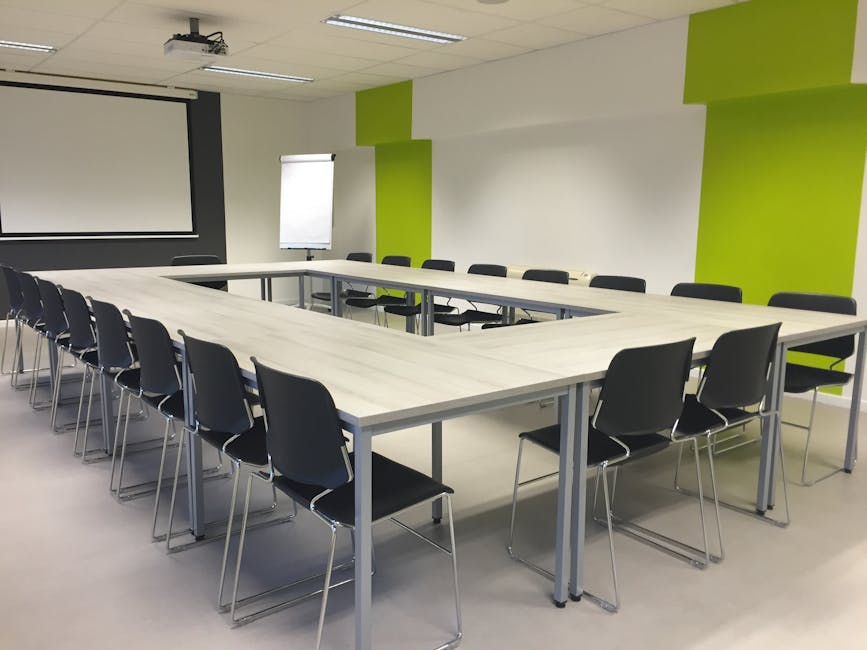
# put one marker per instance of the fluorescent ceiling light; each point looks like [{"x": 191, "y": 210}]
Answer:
[
  {"x": 31, "y": 47},
  {"x": 395, "y": 30},
  {"x": 257, "y": 74}
]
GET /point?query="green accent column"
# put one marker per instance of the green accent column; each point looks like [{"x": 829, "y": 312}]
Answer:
[
  {"x": 383, "y": 119},
  {"x": 785, "y": 141}
]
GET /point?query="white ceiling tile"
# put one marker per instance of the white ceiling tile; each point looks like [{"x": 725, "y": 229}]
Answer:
[
  {"x": 82, "y": 8},
  {"x": 319, "y": 37},
  {"x": 524, "y": 10},
  {"x": 398, "y": 71},
  {"x": 367, "y": 79},
  {"x": 487, "y": 50},
  {"x": 597, "y": 20},
  {"x": 247, "y": 62},
  {"x": 11, "y": 17},
  {"x": 534, "y": 36},
  {"x": 25, "y": 34},
  {"x": 102, "y": 71},
  {"x": 288, "y": 55},
  {"x": 19, "y": 59},
  {"x": 665, "y": 9},
  {"x": 439, "y": 60}
]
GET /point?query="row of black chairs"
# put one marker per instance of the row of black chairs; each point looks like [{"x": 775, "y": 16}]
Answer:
[{"x": 296, "y": 445}]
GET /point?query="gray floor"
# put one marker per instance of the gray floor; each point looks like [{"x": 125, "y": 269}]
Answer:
[{"x": 78, "y": 570}]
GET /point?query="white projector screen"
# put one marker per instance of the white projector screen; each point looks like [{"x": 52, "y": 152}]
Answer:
[
  {"x": 306, "y": 201},
  {"x": 82, "y": 163}
]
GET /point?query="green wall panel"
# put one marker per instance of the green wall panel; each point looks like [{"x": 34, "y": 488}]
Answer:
[
  {"x": 383, "y": 114},
  {"x": 781, "y": 192},
  {"x": 403, "y": 200},
  {"x": 769, "y": 46}
]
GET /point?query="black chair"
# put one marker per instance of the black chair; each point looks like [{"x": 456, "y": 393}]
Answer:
[
  {"x": 223, "y": 418},
  {"x": 81, "y": 347},
  {"x": 32, "y": 316},
  {"x": 619, "y": 283},
  {"x": 373, "y": 302},
  {"x": 707, "y": 291},
  {"x": 117, "y": 359},
  {"x": 56, "y": 332},
  {"x": 474, "y": 315},
  {"x": 414, "y": 310},
  {"x": 641, "y": 398},
  {"x": 801, "y": 378},
  {"x": 16, "y": 304},
  {"x": 196, "y": 260},
  {"x": 535, "y": 275},
  {"x": 325, "y": 296},
  {"x": 731, "y": 393},
  {"x": 309, "y": 463}
]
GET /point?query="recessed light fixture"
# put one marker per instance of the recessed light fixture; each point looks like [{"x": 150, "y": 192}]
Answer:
[
  {"x": 30, "y": 47},
  {"x": 257, "y": 74},
  {"x": 394, "y": 30}
]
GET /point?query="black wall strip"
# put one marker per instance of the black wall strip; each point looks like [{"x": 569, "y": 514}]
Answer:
[{"x": 209, "y": 214}]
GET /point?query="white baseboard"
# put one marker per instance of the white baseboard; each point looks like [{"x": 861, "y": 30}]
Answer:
[{"x": 840, "y": 401}]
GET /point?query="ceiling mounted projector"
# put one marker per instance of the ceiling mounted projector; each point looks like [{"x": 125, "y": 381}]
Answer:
[{"x": 195, "y": 46}]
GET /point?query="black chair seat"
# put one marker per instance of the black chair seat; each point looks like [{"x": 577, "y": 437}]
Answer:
[
  {"x": 600, "y": 447},
  {"x": 522, "y": 321},
  {"x": 696, "y": 419},
  {"x": 249, "y": 447},
  {"x": 325, "y": 296},
  {"x": 129, "y": 379},
  {"x": 415, "y": 310},
  {"x": 173, "y": 405},
  {"x": 362, "y": 303},
  {"x": 90, "y": 357},
  {"x": 386, "y": 299},
  {"x": 467, "y": 317},
  {"x": 800, "y": 379},
  {"x": 394, "y": 487}
]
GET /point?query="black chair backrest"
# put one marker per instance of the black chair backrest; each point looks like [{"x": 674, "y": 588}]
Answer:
[
  {"x": 643, "y": 389},
  {"x": 32, "y": 301},
  {"x": 839, "y": 348},
  {"x": 708, "y": 291},
  {"x": 219, "y": 398},
  {"x": 438, "y": 265},
  {"x": 112, "y": 338},
  {"x": 156, "y": 355},
  {"x": 737, "y": 371},
  {"x": 397, "y": 260},
  {"x": 52, "y": 305},
  {"x": 360, "y": 257},
  {"x": 197, "y": 260},
  {"x": 496, "y": 270},
  {"x": 546, "y": 275},
  {"x": 81, "y": 335},
  {"x": 619, "y": 282},
  {"x": 13, "y": 288},
  {"x": 304, "y": 436}
]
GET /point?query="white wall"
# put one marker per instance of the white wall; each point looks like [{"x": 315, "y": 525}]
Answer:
[
  {"x": 582, "y": 156},
  {"x": 256, "y": 131}
]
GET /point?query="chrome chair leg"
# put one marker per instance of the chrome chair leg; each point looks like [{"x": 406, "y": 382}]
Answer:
[
  {"x": 175, "y": 489},
  {"x": 169, "y": 425},
  {"x": 236, "y": 470},
  {"x": 34, "y": 375},
  {"x": 87, "y": 417},
  {"x": 80, "y": 405},
  {"x": 119, "y": 491},
  {"x": 701, "y": 501},
  {"x": 55, "y": 397},
  {"x": 241, "y": 541},
  {"x": 510, "y": 545},
  {"x": 604, "y": 604},
  {"x": 710, "y": 462},
  {"x": 117, "y": 440},
  {"x": 5, "y": 343},
  {"x": 327, "y": 587},
  {"x": 459, "y": 621}
]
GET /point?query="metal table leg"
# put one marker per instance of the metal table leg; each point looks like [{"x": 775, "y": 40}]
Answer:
[
  {"x": 362, "y": 447},
  {"x": 410, "y": 320},
  {"x": 770, "y": 431},
  {"x": 855, "y": 409},
  {"x": 195, "y": 489},
  {"x": 579, "y": 433},
  {"x": 427, "y": 313},
  {"x": 436, "y": 462},
  {"x": 569, "y": 410},
  {"x": 336, "y": 303},
  {"x": 301, "y": 292},
  {"x": 263, "y": 292},
  {"x": 269, "y": 293}
]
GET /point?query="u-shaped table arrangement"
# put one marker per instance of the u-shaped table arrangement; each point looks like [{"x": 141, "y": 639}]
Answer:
[{"x": 383, "y": 380}]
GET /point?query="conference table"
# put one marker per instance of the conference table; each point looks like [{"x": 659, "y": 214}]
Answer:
[{"x": 384, "y": 380}]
